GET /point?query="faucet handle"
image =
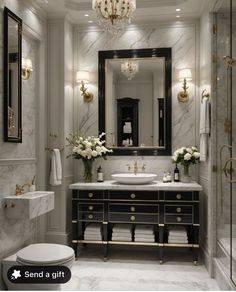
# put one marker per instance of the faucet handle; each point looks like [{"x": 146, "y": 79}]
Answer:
[
  {"x": 129, "y": 168},
  {"x": 144, "y": 167}
]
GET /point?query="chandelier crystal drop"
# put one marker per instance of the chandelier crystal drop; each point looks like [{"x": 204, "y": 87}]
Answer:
[
  {"x": 130, "y": 69},
  {"x": 114, "y": 15}
]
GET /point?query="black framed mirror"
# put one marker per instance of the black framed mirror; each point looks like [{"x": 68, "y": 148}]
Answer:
[
  {"x": 12, "y": 77},
  {"x": 135, "y": 100}
]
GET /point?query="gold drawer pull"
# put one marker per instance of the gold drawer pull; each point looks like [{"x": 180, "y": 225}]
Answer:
[
  {"x": 178, "y": 196},
  {"x": 132, "y": 218},
  {"x": 132, "y": 209},
  {"x": 178, "y": 210},
  {"x": 178, "y": 219},
  {"x": 133, "y": 196},
  {"x": 90, "y": 195},
  {"x": 90, "y": 208},
  {"x": 90, "y": 216}
]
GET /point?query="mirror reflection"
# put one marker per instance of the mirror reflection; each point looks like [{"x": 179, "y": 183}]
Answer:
[
  {"x": 135, "y": 93},
  {"x": 135, "y": 100},
  {"x": 12, "y": 76}
]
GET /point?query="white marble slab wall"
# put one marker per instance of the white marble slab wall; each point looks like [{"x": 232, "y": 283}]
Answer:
[
  {"x": 182, "y": 38},
  {"x": 18, "y": 160}
]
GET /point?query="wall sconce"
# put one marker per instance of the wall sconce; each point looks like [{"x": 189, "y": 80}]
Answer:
[
  {"x": 27, "y": 68},
  {"x": 184, "y": 75},
  {"x": 83, "y": 78}
]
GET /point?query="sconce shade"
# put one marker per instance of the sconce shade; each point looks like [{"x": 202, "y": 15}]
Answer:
[
  {"x": 82, "y": 76},
  {"x": 27, "y": 64},
  {"x": 185, "y": 74}
]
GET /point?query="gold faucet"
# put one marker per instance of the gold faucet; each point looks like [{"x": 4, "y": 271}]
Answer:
[
  {"x": 136, "y": 167},
  {"x": 20, "y": 189}
]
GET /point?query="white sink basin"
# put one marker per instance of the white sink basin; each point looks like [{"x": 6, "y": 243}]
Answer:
[
  {"x": 134, "y": 179},
  {"x": 29, "y": 205}
]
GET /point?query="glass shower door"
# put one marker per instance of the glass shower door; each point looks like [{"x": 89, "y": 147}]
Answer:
[{"x": 225, "y": 67}]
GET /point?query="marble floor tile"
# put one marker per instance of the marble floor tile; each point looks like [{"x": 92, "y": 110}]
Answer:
[{"x": 139, "y": 270}]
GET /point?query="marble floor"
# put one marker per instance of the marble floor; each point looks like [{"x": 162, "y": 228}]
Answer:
[{"x": 136, "y": 269}]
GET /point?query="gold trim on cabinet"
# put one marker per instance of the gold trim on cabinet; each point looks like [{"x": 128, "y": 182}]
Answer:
[
  {"x": 92, "y": 241},
  {"x": 74, "y": 241},
  {"x": 133, "y": 243},
  {"x": 181, "y": 245}
]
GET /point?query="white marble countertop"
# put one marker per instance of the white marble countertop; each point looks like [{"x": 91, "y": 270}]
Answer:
[{"x": 155, "y": 185}]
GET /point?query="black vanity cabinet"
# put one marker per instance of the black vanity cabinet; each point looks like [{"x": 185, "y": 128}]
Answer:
[
  {"x": 127, "y": 122},
  {"x": 158, "y": 208}
]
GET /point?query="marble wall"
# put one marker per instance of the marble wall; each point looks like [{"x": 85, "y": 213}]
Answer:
[
  {"x": 182, "y": 38},
  {"x": 205, "y": 167},
  {"x": 18, "y": 161}
]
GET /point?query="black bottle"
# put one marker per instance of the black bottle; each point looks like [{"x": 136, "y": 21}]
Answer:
[
  {"x": 100, "y": 175},
  {"x": 176, "y": 174}
]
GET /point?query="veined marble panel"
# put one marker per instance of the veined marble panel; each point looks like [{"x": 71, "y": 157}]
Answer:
[{"x": 182, "y": 40}]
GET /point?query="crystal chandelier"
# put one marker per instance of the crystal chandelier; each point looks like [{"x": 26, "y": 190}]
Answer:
[
  {"x": 114, "y": 15},
  {"x": 130, "y": 68}
]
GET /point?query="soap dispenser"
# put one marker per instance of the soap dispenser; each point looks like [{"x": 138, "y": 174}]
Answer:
[{"x": 100, "y": 174}]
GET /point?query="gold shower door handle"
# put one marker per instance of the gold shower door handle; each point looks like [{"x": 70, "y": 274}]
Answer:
[{"x": 226, "y": 170}]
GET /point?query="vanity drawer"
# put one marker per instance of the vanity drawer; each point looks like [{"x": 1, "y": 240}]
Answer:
[
  {"x": 178, "y": 209},
  {"x": 133, "y": 208},
  {"x": 89, "y": 207},
  {"x": 178, "y": 218},
  {"x": 134, "y": 195},
  {"x": 90, "y": 195},
  {"x": 133, "y": 218},
  {"x": 90, "y": 216},
  {"x": 178, "y": 196}
]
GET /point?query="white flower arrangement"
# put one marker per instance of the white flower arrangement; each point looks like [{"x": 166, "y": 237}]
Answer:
[
  {"x": 88, "y": 148},
  {"x": 186, "y": 156}
]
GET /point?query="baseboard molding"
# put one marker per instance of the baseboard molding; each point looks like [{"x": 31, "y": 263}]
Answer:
[
  {"x": 206, "y": 260},
  {"x": 221, "y": 277},
  {"x": 57, "y": 237},
  {"x": 18, "y": 161}
]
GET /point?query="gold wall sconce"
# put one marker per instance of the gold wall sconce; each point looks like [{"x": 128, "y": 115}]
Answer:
[
  {"x": 184, "y": 76},
  {"x": 27, "y": 68},
  {"x": 83, "y": 78}
]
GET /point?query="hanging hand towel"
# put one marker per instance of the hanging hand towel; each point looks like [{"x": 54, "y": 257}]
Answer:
[
  {"x": 204, "y": 128},
  {"x": 56, "y": 169}
]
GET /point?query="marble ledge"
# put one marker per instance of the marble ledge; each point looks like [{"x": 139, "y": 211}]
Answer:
[{"x": 155, "y": 185}]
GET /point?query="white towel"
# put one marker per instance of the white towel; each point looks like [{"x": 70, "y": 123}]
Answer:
[
  {"x": 204, "y": 128},
  {"x": 56, "y": 169}
]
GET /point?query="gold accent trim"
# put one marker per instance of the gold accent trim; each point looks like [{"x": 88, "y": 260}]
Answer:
[
  {"x": 181, "y": 245},
  {"x": 74, "y": 241},
  {"x": 226, "y": 171},
  {"x": 133, "y": 243},
  {"x": 92, "y": 241}
]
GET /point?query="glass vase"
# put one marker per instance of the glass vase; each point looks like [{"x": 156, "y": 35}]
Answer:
[
  {"x": 88, "y": 170},
  {"x": 185, "y": 178}
]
